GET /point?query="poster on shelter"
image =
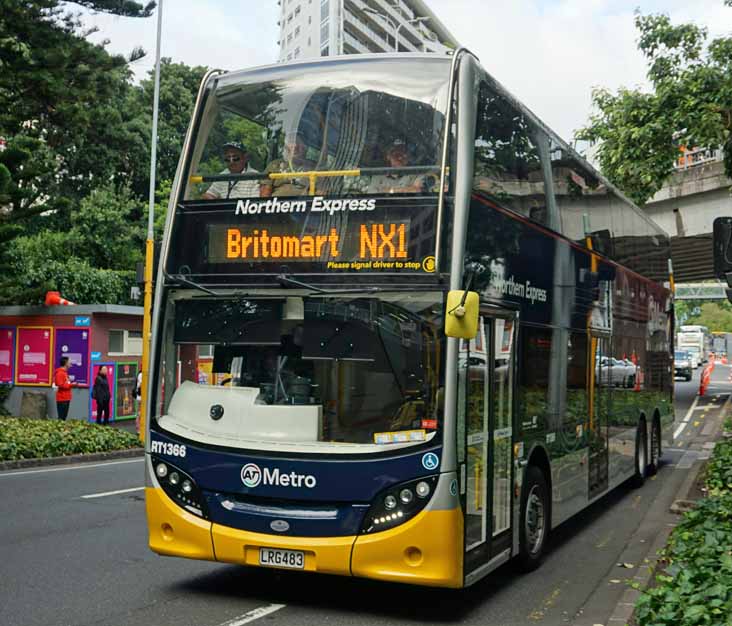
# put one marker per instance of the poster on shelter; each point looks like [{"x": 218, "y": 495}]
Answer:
[
  {"x": 111, "y": 378},
  {"x": 33, "y": 356},
  {"x": 7, "y": 354},
  {"x": 73, "y": 343},
  {"x": 126, "y": 385}
]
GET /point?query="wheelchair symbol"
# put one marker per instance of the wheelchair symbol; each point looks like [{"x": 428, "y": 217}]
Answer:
[{"x": 430, "y": 461}]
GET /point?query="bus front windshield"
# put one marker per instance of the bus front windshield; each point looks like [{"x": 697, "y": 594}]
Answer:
[
  {"x": 303, "y": 373},
  {"x": 379, "y": 121}
]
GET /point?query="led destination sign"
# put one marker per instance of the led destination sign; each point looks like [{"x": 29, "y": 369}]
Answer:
[
  {"x": 316, "y": 234},
  {"x": 375, "y": 241}
]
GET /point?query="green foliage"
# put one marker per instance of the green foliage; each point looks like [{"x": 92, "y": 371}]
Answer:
[
  {"x": 178, "y": 89},
  {"x": 75, "y": 278},
  {"x": 105, "y": 225},
  {"x": 719, "y": 469},
  {"x": 716, "y": 316},
  {"x": 31, "y": 439},
  {"x": 92, "y": 262},
  {"x": 75, "y": 174},
  {"x": 695, "y": 586},
  {"x": 690, "y": 104}
]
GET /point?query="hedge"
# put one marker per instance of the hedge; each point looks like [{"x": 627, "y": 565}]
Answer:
[
  {"x": 694, "y": 581},
  {"x": 31, "y": 439}
]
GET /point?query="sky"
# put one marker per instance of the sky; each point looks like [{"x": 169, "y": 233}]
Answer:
[{"x": 548, "y": 53}]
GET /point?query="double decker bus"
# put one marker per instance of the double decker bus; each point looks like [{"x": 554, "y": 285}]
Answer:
[{"x": 386, "y": 348}]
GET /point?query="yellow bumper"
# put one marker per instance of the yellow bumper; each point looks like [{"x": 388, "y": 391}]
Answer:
[
  {"x": 328, "y": 555},
  {"x": 175, "y": 532},
  {"x": 426, "y": 550}
]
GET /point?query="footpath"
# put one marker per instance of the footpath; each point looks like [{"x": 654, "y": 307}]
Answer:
[{"x": 696, "y": 434}]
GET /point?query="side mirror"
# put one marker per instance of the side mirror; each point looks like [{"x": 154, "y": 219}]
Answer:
[
  {"x": 722, "y": 247},
  {"x": 461, "y": 315}
]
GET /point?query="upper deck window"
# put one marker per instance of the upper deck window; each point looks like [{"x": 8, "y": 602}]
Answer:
[{"x": 332, "y": 117}]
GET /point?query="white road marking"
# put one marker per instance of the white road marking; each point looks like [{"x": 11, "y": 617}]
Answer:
[
  {"x": 112, "y": 493},
  {"x": 685, "y": 421},
  {"x": 10, "y": 473},
  {"x": 252, "y": 615}
]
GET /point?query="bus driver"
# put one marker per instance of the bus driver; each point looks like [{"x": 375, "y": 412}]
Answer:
[{"x": 237, "y": 162}]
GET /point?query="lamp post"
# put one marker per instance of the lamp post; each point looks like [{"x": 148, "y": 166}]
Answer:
[
  {"x": 149, "y": 246},
  {"x": 416, "y": 20},
  {"x": 391, "y": 22},
  {"x": 396, "y": 27}
]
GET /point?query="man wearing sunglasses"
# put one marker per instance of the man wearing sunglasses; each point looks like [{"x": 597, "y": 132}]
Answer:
[{"x": 237, "y": 162}]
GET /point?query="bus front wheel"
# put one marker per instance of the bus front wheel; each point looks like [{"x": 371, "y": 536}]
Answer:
[{"x": 534, "y": 519}]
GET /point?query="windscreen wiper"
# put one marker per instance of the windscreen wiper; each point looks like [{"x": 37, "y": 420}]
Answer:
[
  {"x": 288, "y": 281},
  {"x": 177, "y": 278}
]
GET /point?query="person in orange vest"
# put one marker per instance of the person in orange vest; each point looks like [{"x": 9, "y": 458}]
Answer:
[{"x": 63, "y": 388}]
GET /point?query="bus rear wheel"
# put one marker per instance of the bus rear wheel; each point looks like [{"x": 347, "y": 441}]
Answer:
[
  {"x": 641, "y": 455},
  {"x": 534, "y": 519}
]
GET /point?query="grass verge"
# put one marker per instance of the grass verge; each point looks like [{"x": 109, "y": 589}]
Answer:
[
  {"x": 33, "y": 439},
  {"x": 693, "y": 584}
]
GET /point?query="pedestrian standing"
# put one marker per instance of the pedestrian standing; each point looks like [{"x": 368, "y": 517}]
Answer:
[
  {"x": 63, "y": 387},
  {"x": 101, "y": 394}
]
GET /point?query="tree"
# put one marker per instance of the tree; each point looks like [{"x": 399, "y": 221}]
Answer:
[
  {"x": 91, "y": 262},
  {"x": 59, "y": 114},
  {"x": 179, "y": 85},
  {"x": 716, "y": 316},
  {"x": 65, "y": 115},
  {"x": 690, "y": 105}
]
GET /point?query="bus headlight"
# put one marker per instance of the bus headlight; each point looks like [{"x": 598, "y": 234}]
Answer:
[
  {"x": 180, "y": 488},
  {"x": 398, "y": 504}
]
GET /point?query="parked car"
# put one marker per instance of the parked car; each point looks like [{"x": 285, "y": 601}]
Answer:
[
  {"x": 629, "y": 371},
  {"x": 610, "y": 372},
  {"x": 683, "y": 364}
]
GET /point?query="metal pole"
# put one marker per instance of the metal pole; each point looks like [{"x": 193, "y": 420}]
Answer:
[{"x": 149, "y": 245}]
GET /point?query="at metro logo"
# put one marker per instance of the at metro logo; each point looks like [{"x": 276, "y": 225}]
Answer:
[{"x": 252, "y": 475}]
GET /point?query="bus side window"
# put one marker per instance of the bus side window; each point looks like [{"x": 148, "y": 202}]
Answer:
[{"x": 509, "y": 156}]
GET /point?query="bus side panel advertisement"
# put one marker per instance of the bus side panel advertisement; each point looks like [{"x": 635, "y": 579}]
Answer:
[
  {"x": 33, "y": 356},
  {"x": 111, "y": 379},
  {"x": 125, "y": 395},
  {"x": 7, "y": 355},
  {"x": 73, "y": 343}
]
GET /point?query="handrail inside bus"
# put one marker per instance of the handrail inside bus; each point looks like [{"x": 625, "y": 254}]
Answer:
[{"x": 313, "y": 175}]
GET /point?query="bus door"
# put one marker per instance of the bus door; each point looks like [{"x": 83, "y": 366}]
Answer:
[
  {"x": 600, "y": 385},
  {"x": 486, "y": 378}
]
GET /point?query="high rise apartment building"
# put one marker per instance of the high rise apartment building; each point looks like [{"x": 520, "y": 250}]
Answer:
[{"x": 313, "y": 28}]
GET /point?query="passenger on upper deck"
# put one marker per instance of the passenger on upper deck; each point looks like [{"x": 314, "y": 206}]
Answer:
[
  {"x": 237, "y": 162},
  {"x": 397, "y": 156},
  {"x": 293, "y": 160}
]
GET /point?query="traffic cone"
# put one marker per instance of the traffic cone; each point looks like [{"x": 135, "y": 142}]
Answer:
[
  {"x": 53, "y": 298},
  {"x": 638, "y": 374}
]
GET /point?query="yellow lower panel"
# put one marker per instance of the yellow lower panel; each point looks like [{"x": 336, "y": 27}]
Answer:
[
  {"x": 329, "y": 555},
  {"x": 426, "y": 550},
  {"x": 175, "y": 532}
]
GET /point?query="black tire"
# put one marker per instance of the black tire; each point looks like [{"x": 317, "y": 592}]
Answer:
[
  {"x": 655, "y": 449},
  {"x": 641, "y": 455},
  {"x": 688, "y": 378},
  {"x": 533, "y": 531},
  {"x": 631, "y": 381}
]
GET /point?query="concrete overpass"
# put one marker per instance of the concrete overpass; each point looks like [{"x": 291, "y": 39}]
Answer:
[{"x": 696, "y": 193}]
